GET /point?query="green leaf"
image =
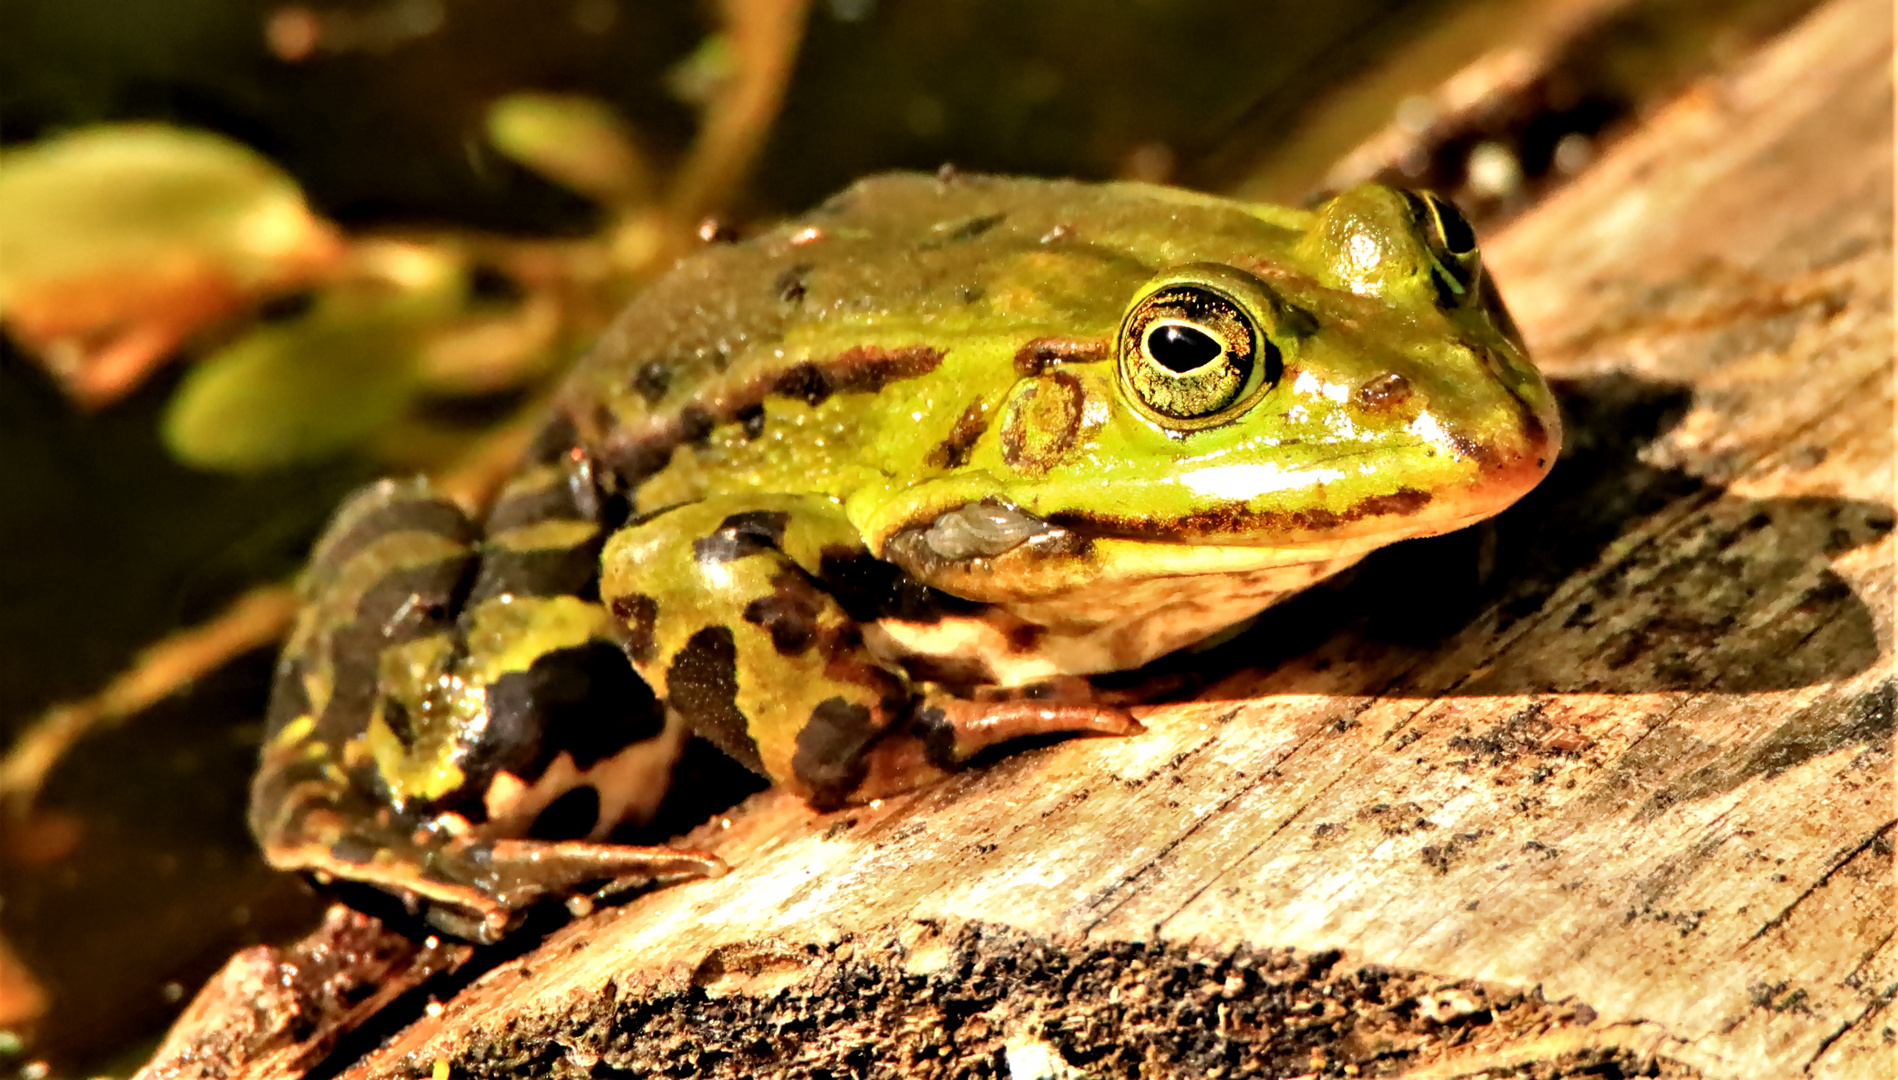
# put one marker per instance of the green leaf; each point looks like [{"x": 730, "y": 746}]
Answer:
[
  {"x": 578, "y": 142},
  {"x": 131, "y": 202},
  {"x": 297, "y": 392}
]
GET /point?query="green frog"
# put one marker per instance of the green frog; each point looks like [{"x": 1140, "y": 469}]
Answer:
[{"x": 864, "y": 495}]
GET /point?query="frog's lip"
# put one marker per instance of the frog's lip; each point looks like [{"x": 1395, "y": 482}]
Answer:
[{"x": 1372, "y": 522}]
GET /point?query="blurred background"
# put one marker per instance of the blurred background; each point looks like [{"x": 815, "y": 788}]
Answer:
[{"x": 253, "y": 254}]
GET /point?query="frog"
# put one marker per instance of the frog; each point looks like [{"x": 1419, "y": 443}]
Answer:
[{"x": 867, "y": 494}]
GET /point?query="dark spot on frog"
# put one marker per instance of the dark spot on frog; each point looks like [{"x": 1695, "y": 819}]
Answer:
[
  {"x": 953, "y": 452},
  {"x": 552, "y": 442},
  {"x": 805, "y": 382},
  {"x": 790, "y": 285},
  {"x": 695, "y": 425},
  {"x": 637, "y": 615},
  {"x": 1807, "y": 456},
  {"x": 570, "y": 817},
  {"x": 1385, "y": 392},
  {"x": 863, "y": 369},
  {"x": 1040, "y": 421},
  {"x": 931, "y": 725},
  {"x": 1025, "y": 637},
  {"x": 869, "y": 588},
  {"x": 633, "y": 462},
  {"x": 1043, "y": 353},
  {"x": 830, "y": 745},
  {"x": 790, "y": 613},
  {"x": 395, "y": 716},
  {"x": 860, "y": 583},
  {"x": 702, "y": 686},
  {"x": 750, "y": 420},
  {"x": 585, "y": 700},
  {"x": 742, "y": 535},
  {"x": 969, "y": 294},
  {"x": 971, "y": 228},
  {"x": 653, "y": 380}
]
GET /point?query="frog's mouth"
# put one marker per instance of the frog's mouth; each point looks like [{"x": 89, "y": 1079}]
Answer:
[{"x": 996, "y": 552}]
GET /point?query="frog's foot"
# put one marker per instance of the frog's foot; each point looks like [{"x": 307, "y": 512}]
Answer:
[
  {"x": 944, "y": 732},
  {"x": 480, "y": 889},
  {"x": 956, "y": 729}
]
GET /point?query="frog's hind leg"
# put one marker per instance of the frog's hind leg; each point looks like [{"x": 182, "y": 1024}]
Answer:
[{"x": 436, "y": 705}]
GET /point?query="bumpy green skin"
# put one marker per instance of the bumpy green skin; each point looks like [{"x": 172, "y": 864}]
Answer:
[{"x": 865, "y": 494}]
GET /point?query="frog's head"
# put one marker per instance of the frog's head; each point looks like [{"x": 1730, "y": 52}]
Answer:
[{"x": 1346, "y": 385}]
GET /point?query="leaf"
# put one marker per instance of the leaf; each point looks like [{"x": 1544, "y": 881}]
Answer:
[
  {"x": 118, "y": 242},
  {"x": 297, "y": 392},
  {"x": 578, "y": 142}
]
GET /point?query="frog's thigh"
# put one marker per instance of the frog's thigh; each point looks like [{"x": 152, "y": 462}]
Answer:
[
  {"x": 574, "y": 742},
  {"x": 364, "y": 768},
  {"x": 730, "y": 608}
]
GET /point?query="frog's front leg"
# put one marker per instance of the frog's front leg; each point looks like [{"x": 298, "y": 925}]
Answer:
[
  {"x": 443, "y": 711},
  {"x": 748, "y": 612}
]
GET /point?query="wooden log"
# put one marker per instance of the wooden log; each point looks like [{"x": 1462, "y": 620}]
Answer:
[{"x": 1625, "y": 808}]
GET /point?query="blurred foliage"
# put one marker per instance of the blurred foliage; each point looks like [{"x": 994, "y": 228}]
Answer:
[{"x": 118, "y": 243}]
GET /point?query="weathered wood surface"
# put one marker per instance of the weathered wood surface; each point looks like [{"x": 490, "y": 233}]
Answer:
[{"x": 1631, "y": 808}]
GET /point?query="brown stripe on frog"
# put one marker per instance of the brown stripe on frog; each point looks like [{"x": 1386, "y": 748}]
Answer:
[
  {"x": 702, "y": 687},
  {"x": 953, "y": 452},
  {"x": 1043, "y": 353},
  {"x": 863, "y": 369},
  {"x": 1236, "y": 519},
  {"x": 556, "y": 557},
  {"x": 634, "y": 456},
  {"x": 378, "y": 510}
]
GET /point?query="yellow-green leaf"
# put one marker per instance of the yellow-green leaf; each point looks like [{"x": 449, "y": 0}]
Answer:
[
  {"x": 578, "y": 142},
  {"x": 296, "y": 392}
]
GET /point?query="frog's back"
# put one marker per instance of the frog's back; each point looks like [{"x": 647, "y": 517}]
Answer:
[{"x": 784, "y": 362}]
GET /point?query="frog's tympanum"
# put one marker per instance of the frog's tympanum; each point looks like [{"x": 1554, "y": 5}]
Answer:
[{"x": 866, "y": 494}]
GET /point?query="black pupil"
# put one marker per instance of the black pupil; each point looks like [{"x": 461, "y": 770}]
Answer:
[{"x": 1182, "y": 348}]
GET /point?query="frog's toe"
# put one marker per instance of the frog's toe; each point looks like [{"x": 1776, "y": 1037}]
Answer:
[
  {"x": 481, "y": 890},
  {"x": 955, "y": 730},
  {"x": 943, "y": 732}
]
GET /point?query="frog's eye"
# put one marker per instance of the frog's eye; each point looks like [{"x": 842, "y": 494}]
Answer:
[
  {"x": 1452, "y": 243},
  {"x": 1190, "y": 351}
]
